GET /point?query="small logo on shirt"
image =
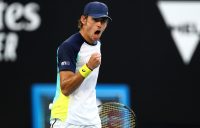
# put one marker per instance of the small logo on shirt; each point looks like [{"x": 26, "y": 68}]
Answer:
[
  {"x": 65, "y": 63},
  {"x": 83, "y": 70}
]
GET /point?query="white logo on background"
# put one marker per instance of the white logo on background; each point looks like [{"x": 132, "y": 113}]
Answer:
[{"x": 183, "y": 19}]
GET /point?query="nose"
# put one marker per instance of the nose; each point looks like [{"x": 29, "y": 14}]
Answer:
[{"x": 99, "y": 23}]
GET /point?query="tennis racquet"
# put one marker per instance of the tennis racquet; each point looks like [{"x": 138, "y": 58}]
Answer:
[{"x": 116, "y": 115}]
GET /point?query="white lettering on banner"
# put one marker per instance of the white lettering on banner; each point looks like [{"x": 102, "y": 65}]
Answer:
[
  {"x": 183, "y": 20},
  {"x": 31, "y": 15},
  {"x": 8, "y": 46},
  {"x": 16, "y": 11},
  {"x": 10, "y": 53},
  {"x": 13, "y": 13},
  {"x": 16, "y": 17}
]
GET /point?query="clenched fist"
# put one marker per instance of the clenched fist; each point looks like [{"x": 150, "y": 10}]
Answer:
[{"x": 94, "y": 61}]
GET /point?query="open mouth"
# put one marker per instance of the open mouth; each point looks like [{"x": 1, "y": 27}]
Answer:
[{"x": 97, "y": 32}]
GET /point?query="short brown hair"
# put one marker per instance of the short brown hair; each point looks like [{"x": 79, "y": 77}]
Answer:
[{"x": 80, "y": 24}]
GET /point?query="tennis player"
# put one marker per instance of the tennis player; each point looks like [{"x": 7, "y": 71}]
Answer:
[{"x": 78, "y": 61}]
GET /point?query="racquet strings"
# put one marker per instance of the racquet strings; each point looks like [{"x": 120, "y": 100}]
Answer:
[{"x": 116, "y": 115}]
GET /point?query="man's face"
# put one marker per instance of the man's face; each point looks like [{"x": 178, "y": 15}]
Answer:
[{"x": 94, "y": 28}]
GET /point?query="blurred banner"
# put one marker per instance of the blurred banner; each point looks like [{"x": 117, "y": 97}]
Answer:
[
  {"x": 43, "y": 94},
  {"x": 152, "y": 46}
]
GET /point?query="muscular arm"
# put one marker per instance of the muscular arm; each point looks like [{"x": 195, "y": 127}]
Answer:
[{"x": 70, "y": 81}]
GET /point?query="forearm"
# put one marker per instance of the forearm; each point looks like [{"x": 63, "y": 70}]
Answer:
[
  {"x": 70, "y": 81},
  {"x": 70, "y": 84}
]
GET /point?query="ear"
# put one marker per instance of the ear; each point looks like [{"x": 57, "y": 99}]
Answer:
[{"x": 83, "y": 19}]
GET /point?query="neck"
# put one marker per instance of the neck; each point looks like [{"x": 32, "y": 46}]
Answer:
[{"x": 86, "y": 37}]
